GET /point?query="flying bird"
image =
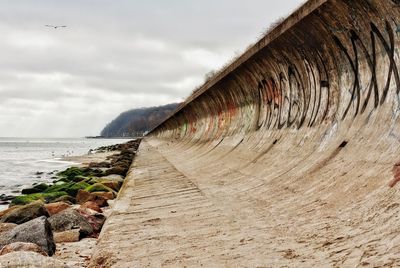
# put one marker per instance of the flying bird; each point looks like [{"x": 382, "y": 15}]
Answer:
[{"x": 55, "y": 26}]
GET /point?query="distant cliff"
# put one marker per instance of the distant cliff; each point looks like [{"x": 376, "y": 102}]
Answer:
[{"x": 136, "y": 122}]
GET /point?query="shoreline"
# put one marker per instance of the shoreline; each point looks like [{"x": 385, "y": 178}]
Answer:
[{"x": 89, "y": 197}]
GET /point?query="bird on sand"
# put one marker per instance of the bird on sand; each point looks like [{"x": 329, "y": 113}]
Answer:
[{"x": 55, "y": 26}]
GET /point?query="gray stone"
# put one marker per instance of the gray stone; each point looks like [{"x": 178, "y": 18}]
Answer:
[
  {"x": 36, "y": 231},
  {"x": 29, "y": 259},
  {"x": 70, "y": 219}
]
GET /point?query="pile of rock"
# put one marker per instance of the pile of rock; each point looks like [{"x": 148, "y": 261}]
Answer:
[
  {"x": 66, "y": 211},
  {"x": 133, "y": 144}
]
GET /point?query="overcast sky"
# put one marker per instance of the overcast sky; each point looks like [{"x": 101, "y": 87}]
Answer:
[{"x": 114, "y": 55}]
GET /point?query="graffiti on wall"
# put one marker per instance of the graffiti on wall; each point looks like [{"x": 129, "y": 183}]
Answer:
[{"x": 359, "y": 49}]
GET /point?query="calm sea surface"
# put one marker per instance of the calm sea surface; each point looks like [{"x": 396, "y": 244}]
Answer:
[{"x": 24, "y": 161}]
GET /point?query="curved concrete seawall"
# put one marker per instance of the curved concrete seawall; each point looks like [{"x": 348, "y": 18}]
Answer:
[{"x": 290, "y": 150}]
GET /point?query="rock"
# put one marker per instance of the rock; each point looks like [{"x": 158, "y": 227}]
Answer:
[
  {"x": 66, "y": 199},
  {"x": 91, "y": 205},
  {"x": 71, "y": 172},
  {"x": 71, "y": 188},
  {"x": 4, "y": 197},
  {"x": 5, "y": 227},
  {"x": 8, "y": 210},
  {"x": 67, "y": 236},
  {"x": 112, "y": 184},
  {"x": 105, "y": 195},
  {"x": 22, "y": 246},
  {"x": 99, "y": 187},
  {"x": 84, "y": 196},
  {"x": 116, "y": 170},
  {"x": 54, "y": 208},
  {"x": 25, "y": 213},
  {"x": 29, "y": 259},
  {"x": 36, "y": 231},
  {"x": 96, "y": 220},
  {"x": 99, "y": 164},
  {"x": 79, "y": 178},
  {"x": 70, "y": 219},
  {"x": 30, "y": 191},
  {"x": 46, "y": 197},
  {"x": 35, "y": 189},
  {"x": 114, "y": 177},
  {"x": 41, "y": 186}
]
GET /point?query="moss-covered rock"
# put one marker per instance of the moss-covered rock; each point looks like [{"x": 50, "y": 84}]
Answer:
[
  {"x": 26, "y": 213},
  {"x": 80, "y": 178},
  {"x": 70, "y": 187},
  {"x": 76, "y": 174},
  {"x": 92, "y": 180},
  {"x": 46, "y": 197},
  {"x": 30, "y": 191},
  {"x": 98, "y": 187},
  {"x": 113, "y": 184},
  {"x": 35, "y": 189},
  {"x": 71, "y": 173},
  {"x": 42, "y": 186}
]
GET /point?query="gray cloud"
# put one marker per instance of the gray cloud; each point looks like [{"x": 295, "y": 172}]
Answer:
[{"x": 113, "y": 56}]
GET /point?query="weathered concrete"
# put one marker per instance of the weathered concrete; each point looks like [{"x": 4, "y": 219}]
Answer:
[{"x": 283, "y": 159}]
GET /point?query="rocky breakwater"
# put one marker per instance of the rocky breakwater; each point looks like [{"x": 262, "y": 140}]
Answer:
[{"x": 71, "y": 209}]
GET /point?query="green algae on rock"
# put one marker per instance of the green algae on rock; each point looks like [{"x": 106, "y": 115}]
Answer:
[{"x": 46, "y": 197}]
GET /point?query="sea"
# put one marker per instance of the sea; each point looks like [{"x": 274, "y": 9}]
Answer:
[{"x": 24, "y": 161}]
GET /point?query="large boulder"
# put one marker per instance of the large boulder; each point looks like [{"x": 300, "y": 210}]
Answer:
[
  {"x": 112, "y": 184},
  {"x": 8, "y": 210},
  {"x": 35, "y": 189},
  {"x": 106, "y": 195},
  {"x": 22, "y": 246},
  {"x": 84, "y": 196},
  {"x": 99, "y": 187},
  {"x": 25, "y": 213},
  {"x": 119, "y": 170},
  {"x": 95, "y": 219},
  {"x": 36, "y": 231},
  {"x": 54, "y": 208},
  {"x": 91, "y": 205},
  {"x": 29, "y": 259},
  {"x": 70, "y": 219}
]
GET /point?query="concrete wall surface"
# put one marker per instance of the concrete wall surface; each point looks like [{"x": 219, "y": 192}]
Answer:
[{"x": 295, "y": 144}]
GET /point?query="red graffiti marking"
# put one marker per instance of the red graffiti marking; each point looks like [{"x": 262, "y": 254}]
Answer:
[{"x": 396, "y": 175}]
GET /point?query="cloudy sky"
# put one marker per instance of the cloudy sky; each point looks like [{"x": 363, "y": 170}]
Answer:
[{"x": 113, "y": 56}]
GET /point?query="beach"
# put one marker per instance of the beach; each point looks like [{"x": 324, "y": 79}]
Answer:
[{"x": 75, "y": 204}]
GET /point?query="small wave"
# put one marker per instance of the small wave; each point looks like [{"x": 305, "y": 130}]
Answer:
[{"x": 58, "y": 161}]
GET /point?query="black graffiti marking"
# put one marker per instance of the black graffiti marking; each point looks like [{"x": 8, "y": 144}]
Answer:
[
  {"x": 291, "y": 106},
  {"x": 354, "y": 67},
  {"x": 371, "y": 58},
  {"x": 390, "y": 53}
]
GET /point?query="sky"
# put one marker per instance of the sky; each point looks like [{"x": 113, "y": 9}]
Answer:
[{"x": 114, "y": 55}]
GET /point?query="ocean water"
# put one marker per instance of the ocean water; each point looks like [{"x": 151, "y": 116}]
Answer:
[{"x": 24, "y": 161}]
